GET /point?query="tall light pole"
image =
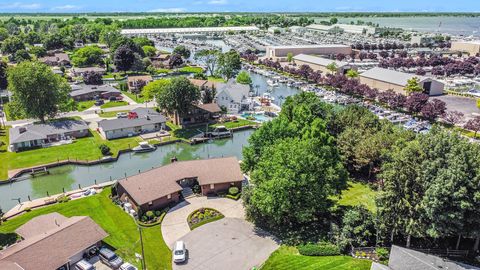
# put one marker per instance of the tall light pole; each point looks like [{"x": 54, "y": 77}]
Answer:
[{"x": 144, "y": 266}]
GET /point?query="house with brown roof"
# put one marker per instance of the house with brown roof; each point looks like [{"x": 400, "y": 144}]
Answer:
[
  {"x": 198, "y": 114},
  {"x": 136, "y": 83},
  {"x": 161, "y": 187},
  {"x": 52, "y": 241},
  {"x": 57, "y": 59}
]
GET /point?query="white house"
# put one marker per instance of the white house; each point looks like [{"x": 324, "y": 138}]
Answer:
[{"x": 234, "y": 97}]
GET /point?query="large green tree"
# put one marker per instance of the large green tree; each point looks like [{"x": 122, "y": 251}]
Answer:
[
  {"x": 291, "y": 188},
  {"x": 37, "y": 91},
  {"x": 209, "y": 58},
  {"x": 153, "y": 89},
  {"x": 178, "y": 96},
  {"x": 87, "y": 56},
  {"x": 229, "y": 64}
]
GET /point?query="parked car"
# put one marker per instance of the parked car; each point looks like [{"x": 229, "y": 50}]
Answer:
[
  {"x": 128, "y": 266},
  {"x": 119, "y": 98},
  {"x": 109, "y": 258},
  {"x": 179, "y": 252},
  {"x": 122, "y": 115},
  {"x": 99, "y": 102},
  {"x": 84, "y": 265},
  {"x": 112, "y": 98}
]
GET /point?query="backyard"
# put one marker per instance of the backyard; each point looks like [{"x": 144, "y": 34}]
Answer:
[
  {"x": 81, "y": 149},
  {"x": 358, "y": 194},
  {"x": 288, "y": 258},
  {"x": 122, "y": 229},
  {"x": 187, "y": 133}
]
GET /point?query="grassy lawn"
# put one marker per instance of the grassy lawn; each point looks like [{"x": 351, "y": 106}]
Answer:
[
  {"x": 113, "y": 104},
  {"x": 358, "y": 194},
  {"x": 122, "y": 230},
  {"x": 216, "y": 79},
  {"x": 288, "y": 258},
  {"x": 190, "y": 69},
  {"x": 137, "y": 98},
  {"x": 81, "y": 149},
  {"x": 236, "y": 124},
  {"x": 83, "y": 105},
  {"x": 187, "y": 133},
  {"x": 110, "y": 114}
]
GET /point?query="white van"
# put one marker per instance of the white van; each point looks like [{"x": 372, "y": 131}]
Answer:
[
  {"x": 179, "y": 252},
  {"x": 84, "y": 265}
]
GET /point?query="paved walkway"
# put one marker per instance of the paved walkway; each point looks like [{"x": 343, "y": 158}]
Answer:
[
  {"x": 175, "y": 226},
  {"x": 229, "y": 243}
]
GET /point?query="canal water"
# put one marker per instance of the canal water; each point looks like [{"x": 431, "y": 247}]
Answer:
[{"x": 69, "y": 177}]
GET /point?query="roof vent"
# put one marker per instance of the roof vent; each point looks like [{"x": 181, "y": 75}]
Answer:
[{"x": 22, "y": 130}]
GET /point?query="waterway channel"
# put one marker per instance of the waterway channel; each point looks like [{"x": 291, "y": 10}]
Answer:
[{"x": 69, "y": 177}]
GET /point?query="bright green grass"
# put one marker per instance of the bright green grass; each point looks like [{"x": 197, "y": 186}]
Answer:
[
  {"x": 286, "y": 258},
  {"x": 187, "y": 133},
  {"x": 137, "y": 98},
  {"x": 122, "y": 230},
  {"x": 216, "y": 79},
  {"x": 110, "y": 114},
  {"x": 113, "y": 104},
  {"x": 83, "y": 105},
  {"x": 190, "y": 69},
  {"x": 81, "y": 149},
  {"x": 358, "y": 194},
  {"x": 236, "y": 124}
]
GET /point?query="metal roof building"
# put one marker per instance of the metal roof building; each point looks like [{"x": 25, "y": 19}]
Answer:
[{"x": 166, "y": 31}]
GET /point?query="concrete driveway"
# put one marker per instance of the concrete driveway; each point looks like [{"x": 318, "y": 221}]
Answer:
[
  {"x": 230, "y": 243},
  {"x": 175, "y": 226}
]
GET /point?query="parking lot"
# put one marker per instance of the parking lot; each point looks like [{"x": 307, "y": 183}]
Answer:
[{"x": 467, "y": 106}]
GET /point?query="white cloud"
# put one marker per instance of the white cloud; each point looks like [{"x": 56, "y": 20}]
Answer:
[
  {"x": 20, "y": 5},
  {"x": 218, "y": 2},
  {"x": 169, "y": 10},
  {"x": 66, "y": 7}
]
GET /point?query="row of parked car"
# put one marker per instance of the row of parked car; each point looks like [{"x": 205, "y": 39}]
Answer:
[{"x": 106, "y": 256}]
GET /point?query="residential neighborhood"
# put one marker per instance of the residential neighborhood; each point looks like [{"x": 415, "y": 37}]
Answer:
[{"x": 240, "y": 136}]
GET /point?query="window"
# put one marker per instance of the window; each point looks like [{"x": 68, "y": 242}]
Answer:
[
  {"x": 150, "y": 203},
  {"x": 212, "y": 186},
  {"x": 169, "y": 196}
]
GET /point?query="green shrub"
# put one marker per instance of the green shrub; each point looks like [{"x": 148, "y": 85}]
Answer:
[
  {"x": 382, "y": 253},
  {"x": 150, "y": 215},
  {"x": 158, "y": 213},
  {"x": 144, "y": 218},
  {"x": 104, "y": 149},
  {"x": 233, "y": 191},
  {"x": 63, "y": 199},
  {"x": 234, "y": 197},
  {"x": 320, "y": 249},
  {"x": 7, "y": 239}
]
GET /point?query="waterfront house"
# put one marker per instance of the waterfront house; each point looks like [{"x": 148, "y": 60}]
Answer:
[
  {"x": 161, "y": 187},
  {"x": 385, "y": 79},
  {"x": 233, "y": 97},
  {"x": 89, "y": 92},
  {"x": 52, "y": 241},
  {"x": 57, "y": 59},
  {"x": 136, "y": 83},
  {"x": 321, "y": 64},
  {"x": 44, "y": 135},
  {"x": 139, "y": 121},
  {"x": 198, "y": 114}
]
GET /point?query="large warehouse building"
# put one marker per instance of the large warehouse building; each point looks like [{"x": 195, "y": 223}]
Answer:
[
  {"x": 385, "y": 79},
  {"x": 470, "y": 47},
  {"x": 324, "y": 49},
  {"x": 321, "y": 64},
  {"x": 191, "y": 30}
]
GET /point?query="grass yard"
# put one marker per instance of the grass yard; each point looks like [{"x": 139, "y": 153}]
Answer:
[
  {"x": 288, "y": 258},
  {"x": 190, "y": 69},
  {"x": 122, "y": 230},
  {"x": 81, "y": 149},
  {"x": 137, "y": 98},
  {"x": 236, "y": 124},
  {"x": 113, "y": 104},
  {"x": 358, "y": 194},
  {"x": 110, "y": 114},
  {"x": 84, "y": 105},
  {"x": 216, "y": 79},
  {"x": 187, "y": 133}
]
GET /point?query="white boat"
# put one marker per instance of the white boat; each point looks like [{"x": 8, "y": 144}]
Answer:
[
  {"x": 220, "y": 131},
  {"x": 144, "y": 147},
  {"x": 268, "y": 96},
  {"x": 272, "y": 83}
]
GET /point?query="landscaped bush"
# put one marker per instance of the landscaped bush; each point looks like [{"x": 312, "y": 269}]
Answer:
[
  {"x": 202, "y": 216},
  {"x": 320, "y": 249},
  {"x": 63, "y": 199},
  {"x": 234, "y": 197},
  {"x": 196, "y": 189},
  {"x": 233, "y": 191},
  {"x": 104, "y": 149},
  {"x": 150, "y": 215},
  {"x": 382, "y": 254},
  {"x": 151, "y": 218},
  {"x": 7, "y": 239}
]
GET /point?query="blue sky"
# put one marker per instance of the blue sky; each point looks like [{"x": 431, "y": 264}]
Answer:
[{"x": 236, "y": 5}]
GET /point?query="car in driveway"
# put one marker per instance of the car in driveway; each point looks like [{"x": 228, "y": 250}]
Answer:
[
  {"x": 84, "y": 265},
  {"x": 109, "y": 258},
  {"x": 179, "y": 252},
  {"x": 128, "y": 266}
]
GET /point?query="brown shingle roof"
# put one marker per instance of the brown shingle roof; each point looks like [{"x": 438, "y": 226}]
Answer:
[
  {"x": 210, "y": 107},
  {"x": 160, "y": 182},
  {"x": 40, "y": 225},
  {"x": 53, "y": 248}
]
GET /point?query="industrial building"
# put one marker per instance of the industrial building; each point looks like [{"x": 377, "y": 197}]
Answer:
[
  {"x": 321, "y": 64},
  {"x": 470, "y": 47},
  {"x": 279, "y": 52},
  {"x": 194, "y": 30}
]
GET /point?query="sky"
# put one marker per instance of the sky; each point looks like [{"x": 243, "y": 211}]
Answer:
[{"x": 10, "y": 6}]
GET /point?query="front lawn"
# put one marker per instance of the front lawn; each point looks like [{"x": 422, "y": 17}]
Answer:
[
  {"x": 288, "y": 258},
  {"x": 358, "y": 194},
  {"x": 122, "y": 229},
  {"x": 81, "y": 149},
  {"x": 84, "y": 105},
  {"x": 110, "y": 114},
  {"x": 235, "y": 124},
  {"x": 190, "y": 69},
  {"x": 216, "y": 79},
  {"x": 137, "y": 98},
  {"x": 113, "y": 104},
  {"x": 187, "y": 133}
]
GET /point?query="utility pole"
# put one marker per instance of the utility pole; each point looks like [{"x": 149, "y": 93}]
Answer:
[{"x": 144, "y": 267}]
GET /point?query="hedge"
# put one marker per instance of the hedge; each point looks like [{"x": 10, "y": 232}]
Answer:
[
  {"x": 234, "y": 197},
  {"x": 193, "y": 227},
  {"x": 320, "y": 249},
  {"x": 159, "y": 221}
]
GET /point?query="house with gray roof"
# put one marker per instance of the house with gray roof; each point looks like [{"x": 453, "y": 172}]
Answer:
[
  {"x": 82, "y": 92},
  {"x": 45, "y": 135},
  {"x": 385, "y": 79},
  {"x": 234, "y": 97},
  {"x": 139, "y": 121}
]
